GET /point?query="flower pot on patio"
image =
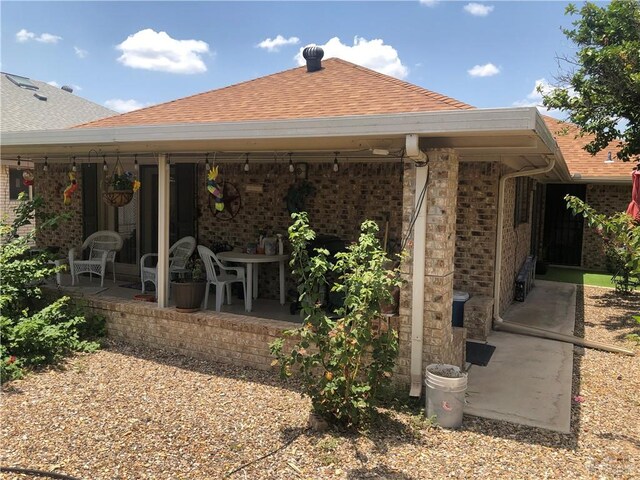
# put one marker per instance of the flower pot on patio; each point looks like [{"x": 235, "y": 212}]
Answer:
[{"x": 188, "y": 295}]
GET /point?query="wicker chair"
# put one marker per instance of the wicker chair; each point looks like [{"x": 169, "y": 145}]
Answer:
[
  {"x": 103, "y": 247},
  {"x": 179, "y": 255}
]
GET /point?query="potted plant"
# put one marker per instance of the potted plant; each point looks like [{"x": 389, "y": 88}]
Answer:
[{"x": 189, "y": 287}]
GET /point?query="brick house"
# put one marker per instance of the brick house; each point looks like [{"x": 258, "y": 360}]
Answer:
[
  {"x": 453, "y": 183},
  {"x": 31, "y": 105}
]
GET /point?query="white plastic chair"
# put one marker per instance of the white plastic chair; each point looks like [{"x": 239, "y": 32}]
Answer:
[
  {"x": 103, "y": 247},
  {"x": 221, "y": 278},
  {"x": 179, "y": 255}
]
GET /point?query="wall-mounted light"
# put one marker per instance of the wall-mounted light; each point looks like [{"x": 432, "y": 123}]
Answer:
[
  {"x": 73, "y": 167},
  {"x": 291, "y": 167},
  {"x": 246, "y": 162},
  {"x": 335, "y": 162},
  {"x": 46, "y": 164}
]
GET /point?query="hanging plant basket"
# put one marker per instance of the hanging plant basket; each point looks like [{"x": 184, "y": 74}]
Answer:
[
  {"x": 120, "y": 186},
  {"x": 117, "y": 198}
]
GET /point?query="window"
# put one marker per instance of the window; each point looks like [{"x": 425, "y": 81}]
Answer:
[
  {"x": 521, "y": 210},
  {"x": 16, "y": 184},
  {"x": 22, "y": 82}
]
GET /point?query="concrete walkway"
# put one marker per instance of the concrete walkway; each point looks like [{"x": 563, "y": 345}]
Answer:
[{"x": 528, "y": 380}]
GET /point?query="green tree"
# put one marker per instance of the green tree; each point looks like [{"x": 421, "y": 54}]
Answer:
[{"x": 601, "y": 90}]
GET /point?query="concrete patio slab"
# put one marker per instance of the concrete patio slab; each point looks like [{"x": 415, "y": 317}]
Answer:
[{"x": 528, "y": 380}]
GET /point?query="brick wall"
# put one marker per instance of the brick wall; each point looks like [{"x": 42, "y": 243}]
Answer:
[
  {"x": 440, "y": 342},
  {"x": 516, "y": 245},
  {"x": 221, "y": 337},
  {"x": 342, "y": 201},
  {"x": 606, "y": 199},
  {"x": 476, "y": 218},
  {"x": 50, "y": 185}
]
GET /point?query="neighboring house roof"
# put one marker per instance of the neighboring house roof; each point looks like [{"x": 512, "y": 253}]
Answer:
[
  {"x": 22, "y": 111},
  {"x": 339, "y": 89},
  {"x": 581, "y": 164}
]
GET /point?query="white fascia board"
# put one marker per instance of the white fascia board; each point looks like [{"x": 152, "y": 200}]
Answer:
[{"x": 477, "y": 121}]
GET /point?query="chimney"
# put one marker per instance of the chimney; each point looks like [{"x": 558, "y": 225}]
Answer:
[
  {"x": 67, "y": 88},
  {"x": 313, "y": 55}
]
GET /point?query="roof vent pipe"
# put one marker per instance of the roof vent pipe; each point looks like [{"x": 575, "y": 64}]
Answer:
[
  {"x": 313, "y": 55},
  {"x": 67, "y": 88}
]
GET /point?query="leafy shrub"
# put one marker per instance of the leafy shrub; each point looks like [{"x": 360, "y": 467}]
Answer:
[
  {"x": 344, "y": 359},
  {"x": 621, "y": 236},
  {"x": 34, "y": 328}
]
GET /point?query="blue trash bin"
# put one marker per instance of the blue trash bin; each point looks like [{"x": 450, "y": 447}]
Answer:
[{"x": 459, "y": 299}]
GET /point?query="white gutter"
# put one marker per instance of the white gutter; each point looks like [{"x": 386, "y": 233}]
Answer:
[
  {"x": 419, "y": 247},
  {"x": 498, "y": 263},
  {"x": 507, "y": 121}
]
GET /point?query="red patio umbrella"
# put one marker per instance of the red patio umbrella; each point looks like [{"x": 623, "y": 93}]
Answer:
[{"x": 634, "y": 207}]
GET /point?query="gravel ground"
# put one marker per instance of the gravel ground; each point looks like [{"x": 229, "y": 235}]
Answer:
[{"x": 132, "y": 413}]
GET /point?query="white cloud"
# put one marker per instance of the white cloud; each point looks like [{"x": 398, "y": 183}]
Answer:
[
  {"x": 534, "y": 98},
  {"x": 486, "y": 70},
  {"x": 80, "y": 52},
  {"x": 478, "y": 9},
  {"x": 24, "y": 36},
  {"x": 274, "y": 44},
  {"x": 429, "y": 3},
  {"x": 53, "y": 83},
  {"x": 151, "y": 50},
  {"x": 123, "y": 106},
  {"x": 373, "y": 54}
]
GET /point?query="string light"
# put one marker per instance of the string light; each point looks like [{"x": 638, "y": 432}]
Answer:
[
  {"x": 104, "y": 163},
  {"x": 46, "y": 165},
  {"x": 135, "y": 161},
  {"x": 246, "y": 162},
  {"x": 206, "y": 162},
  {"x": 335, "y": 162},
  {"x": 18, "y": 160},
  {"x": 291, "y": 169},
  {"x": 74, "y": 168}
]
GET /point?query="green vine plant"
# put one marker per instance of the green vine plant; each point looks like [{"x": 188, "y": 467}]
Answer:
[
  {"x": 346, "y": 357},
  {"x": 621, "y": 236}
]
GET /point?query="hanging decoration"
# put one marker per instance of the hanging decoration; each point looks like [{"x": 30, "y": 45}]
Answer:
[
  {"x": 214, "y": 189},
  {"x": 71, "y": 188},
  {"x": 27, "y": 178},
  {"x": 120, "y": 186}
]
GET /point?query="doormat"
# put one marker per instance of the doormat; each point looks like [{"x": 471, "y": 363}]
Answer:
[
  {"x": 138, "y": 286},
  {"x": 479, "y": 353}
]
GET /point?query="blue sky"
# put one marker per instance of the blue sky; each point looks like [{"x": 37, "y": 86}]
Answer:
[{"x": 488, "y": 54}]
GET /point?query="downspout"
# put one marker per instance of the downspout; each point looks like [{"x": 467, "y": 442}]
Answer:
[
  {"x": 501, "y": 324},
  {"x": 419, "y": 246}
]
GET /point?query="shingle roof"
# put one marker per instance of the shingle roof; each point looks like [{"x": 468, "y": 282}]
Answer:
[
  {"x": 581, "y": 162},
  {"x": 340, "y": 88},
  {"x": 21, "y": 111}
]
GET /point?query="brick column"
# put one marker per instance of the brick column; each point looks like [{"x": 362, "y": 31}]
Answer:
[{"x": 440, "y": 343}]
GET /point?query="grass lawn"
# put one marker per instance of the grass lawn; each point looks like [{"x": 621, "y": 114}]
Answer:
[{"x": 580, "y": 277}]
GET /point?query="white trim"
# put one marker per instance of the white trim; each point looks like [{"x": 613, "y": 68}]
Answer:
[{"x": 507, "y": 121}]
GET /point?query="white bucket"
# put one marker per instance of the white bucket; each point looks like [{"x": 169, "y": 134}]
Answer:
[{"x": 446, "y": 387}]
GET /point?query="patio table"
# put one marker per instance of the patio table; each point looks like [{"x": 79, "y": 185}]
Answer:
[{"x": 253, "y": 260}]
